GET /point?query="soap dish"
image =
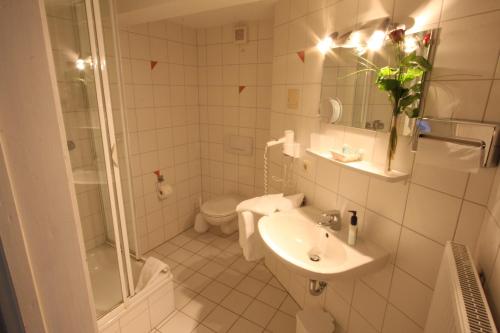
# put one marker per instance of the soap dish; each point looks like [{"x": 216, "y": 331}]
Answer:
[{"x": 345, "y": 158}]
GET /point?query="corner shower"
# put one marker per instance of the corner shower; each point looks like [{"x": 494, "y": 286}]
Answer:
[{"x": 85, "y": 50}]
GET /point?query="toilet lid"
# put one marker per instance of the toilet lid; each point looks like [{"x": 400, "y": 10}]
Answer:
[{"x": 221, "y": 206}]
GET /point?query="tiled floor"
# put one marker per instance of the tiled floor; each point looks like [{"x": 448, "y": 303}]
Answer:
[{"x": 216, "y": 290}]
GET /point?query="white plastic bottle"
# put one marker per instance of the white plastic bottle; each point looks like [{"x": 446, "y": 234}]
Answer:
[{"x": 353, "y": 229}]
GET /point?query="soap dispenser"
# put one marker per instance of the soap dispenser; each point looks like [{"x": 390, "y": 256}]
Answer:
[{"x": 353, "y": 228}]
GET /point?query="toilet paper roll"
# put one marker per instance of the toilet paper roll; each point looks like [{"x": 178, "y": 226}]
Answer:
[
  {"x": 448, "y": 155},
  {"x": 289, "y": 137},
  {"x": 289, "y": 149},
  {"x": 164, "y": 190}
]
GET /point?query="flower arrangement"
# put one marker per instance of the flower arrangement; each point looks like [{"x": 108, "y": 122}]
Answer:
[{"x": 402, "y": 81}]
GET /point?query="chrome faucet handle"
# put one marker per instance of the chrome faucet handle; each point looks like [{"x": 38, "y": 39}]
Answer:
[{"x": 330, "y": 218}]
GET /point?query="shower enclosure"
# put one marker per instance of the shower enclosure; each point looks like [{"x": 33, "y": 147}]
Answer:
[{"x": 86, "y": 56}]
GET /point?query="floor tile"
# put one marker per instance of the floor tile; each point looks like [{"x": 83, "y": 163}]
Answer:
[
  {"x": 196, "y": 262},
  {"x": 235, "y": 248},
  {"x": 154, "y": 254},
  {"x": 207, "y": 237},
  {"x": 236, "y": 301},
  {"x": 289, "y": 306},
  {"x": 212, "y": 269},
  {"x": 199, "y": 308},
  {"x": 282, "y": 323},
  {"x": 230, "y": 277},
  {"x": 216, "y": 291},
  {"x": 180, "y": 255},
  {"x": 191, "y": 233},
  {"x": 250, "y": 286},
  {"x": 261, "y": 273},
  {"x": 166, "y": 248},
  {"x": 182, "y": 296},
  {"x": 242, "y": 266},
  {"x": 243, "y": 325},
  {"x": 202, "y": 329},
  {"x": 179, "y": 323},
  {"x": 180, "y": 240},
  {"x": 271, "y": 296},
  {"x": 221, "y": 243},
  {"x": 220, "y": 320},
  {"x": 259, "y": 313},
  {"x": 209, "y": 252},
  {"x": 275, "y": 283},
  {"x": 197, "y": 282},
  {"x": 171, "y": 263},
  {"x": 181, "y": 273},
  {"x": 226, "y": 258},
  {"x": 194, "y": 245}
]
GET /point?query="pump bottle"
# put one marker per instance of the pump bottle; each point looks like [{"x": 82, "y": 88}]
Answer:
[{"x": 353, "y": 228}]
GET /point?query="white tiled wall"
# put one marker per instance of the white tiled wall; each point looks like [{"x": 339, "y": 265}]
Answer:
[
  {"x": 163, "y": 126},
  {"x": 410, "y": 220},
  {"x": 235, "y": 99}
]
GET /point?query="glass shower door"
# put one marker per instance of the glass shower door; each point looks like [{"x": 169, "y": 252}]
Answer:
[{"x": 79, "y": 55}]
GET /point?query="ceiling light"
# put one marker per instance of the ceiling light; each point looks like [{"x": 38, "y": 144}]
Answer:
[
  {"x": 80, "y": 64},
  {"x": 411, "y": 44},
  {"x": 376, "y": 40},
  {"x": 354, "y": 39},
  {"x": 325, "y": 44}
]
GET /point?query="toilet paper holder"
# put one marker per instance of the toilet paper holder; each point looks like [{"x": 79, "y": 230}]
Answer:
[{"x": 484, "y": 136}]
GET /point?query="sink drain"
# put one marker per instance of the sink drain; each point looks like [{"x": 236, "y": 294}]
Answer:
[{"x": 314, "y": 257}]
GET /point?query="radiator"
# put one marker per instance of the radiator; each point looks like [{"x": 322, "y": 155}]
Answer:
[{"x": 458, "y": 304}]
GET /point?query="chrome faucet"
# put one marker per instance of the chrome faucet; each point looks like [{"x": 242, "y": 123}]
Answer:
[{"x": 330, "y": 219}]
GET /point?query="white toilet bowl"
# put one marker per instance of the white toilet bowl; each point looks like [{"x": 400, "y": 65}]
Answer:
[{"x": 221, "y": 212}]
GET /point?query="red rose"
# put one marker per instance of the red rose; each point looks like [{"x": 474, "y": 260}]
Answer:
[
  {"x": 397, "y": 35},
  {"x": 427, "y": 39}
]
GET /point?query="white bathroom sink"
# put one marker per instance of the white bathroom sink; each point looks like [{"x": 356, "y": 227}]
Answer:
[{"x": 295, "y": 237}]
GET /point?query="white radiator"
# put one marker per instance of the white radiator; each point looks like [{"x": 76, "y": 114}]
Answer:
[{"x": 458, "y": 304}]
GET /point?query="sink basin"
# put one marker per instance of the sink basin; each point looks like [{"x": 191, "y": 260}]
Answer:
[{"x": 316, "y": 252}]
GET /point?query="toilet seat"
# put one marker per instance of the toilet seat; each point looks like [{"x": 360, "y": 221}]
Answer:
[{"x": 221, "y": 209}]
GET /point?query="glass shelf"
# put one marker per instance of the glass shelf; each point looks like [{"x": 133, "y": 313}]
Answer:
[{"x": 364, "y": 167}]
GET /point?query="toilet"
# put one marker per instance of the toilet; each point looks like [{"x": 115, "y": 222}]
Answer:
[{"x": 221, "y": 212}]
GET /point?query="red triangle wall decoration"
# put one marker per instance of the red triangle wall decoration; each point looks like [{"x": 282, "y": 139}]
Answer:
[
  {"x": 153, "y": 64},
  {"x": 241, "y": 88},
  {"x": 302, "y": 55}
]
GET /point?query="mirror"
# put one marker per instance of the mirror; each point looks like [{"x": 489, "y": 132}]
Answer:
[{"x": 361, "y": 103}]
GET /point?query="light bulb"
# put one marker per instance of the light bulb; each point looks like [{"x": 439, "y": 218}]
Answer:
[
  {"x": 80, "y": 64},
  {"x": 355, "y": 39},
  {"x": 325, "y": 44},
  {"x": 376, "y": 40},
  {"x": 411, "y": 44}
]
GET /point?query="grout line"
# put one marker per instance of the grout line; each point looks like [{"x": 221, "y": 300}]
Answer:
[{"x": 261, "y": 262}]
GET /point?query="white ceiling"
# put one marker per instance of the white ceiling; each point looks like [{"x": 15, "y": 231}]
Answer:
[{"x": 194, "y": 13}]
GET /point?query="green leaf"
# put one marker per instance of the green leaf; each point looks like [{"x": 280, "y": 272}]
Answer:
[
  {"x": 423, "y": 63},
  {"x": 416, "y": 88},
  {"x": 387, "y": 84},
  {"x": 413, "y": 113},
  {"x": 411, "y": 74},
  {"x": 413, "y": 60},
  {"x": 408, "y": 59},
  {"x": 387, "y": 71},
  {"x": 408, "y": 100}
]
